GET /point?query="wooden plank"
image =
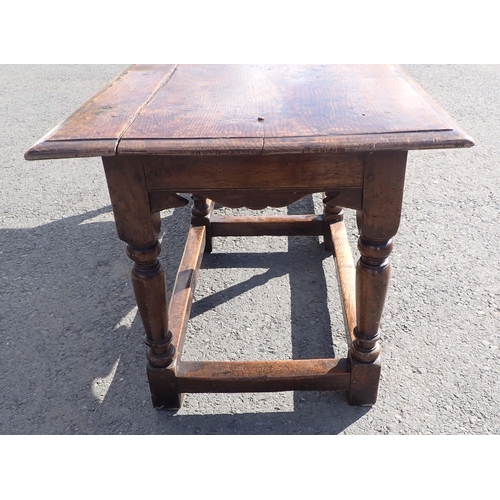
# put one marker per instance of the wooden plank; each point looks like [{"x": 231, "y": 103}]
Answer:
[
  {"x": 185, "y": 282},
  {"x": 284, "y": 225},
  {"x": 270, "y": 101},
  {"x": 402, "y": 141},
  {"x": 107, "y": 114},
  {"x": 104, "y": 117},
  {"x": 43, "y": 150},
  {"x": 224, "y": 147},
  {"x": 263, "y": 376},
  {"x": 205, "y": 101},
  {"x": 346, "y": 272},
  {"x": 192, "y": 147},
  {"x": 253, "y": 109},
  {"x": 307, "y": 172}
]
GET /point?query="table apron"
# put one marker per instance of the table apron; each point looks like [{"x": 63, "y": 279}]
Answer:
[{"x": 306, "y": 172}]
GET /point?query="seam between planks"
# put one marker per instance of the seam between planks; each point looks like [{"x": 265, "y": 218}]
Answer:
[{"x": 162, "y": 82}]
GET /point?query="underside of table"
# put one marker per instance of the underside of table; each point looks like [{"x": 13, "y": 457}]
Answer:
[
  {"x": 371, "y": 184},
  {"x": 338, "y": 374}
]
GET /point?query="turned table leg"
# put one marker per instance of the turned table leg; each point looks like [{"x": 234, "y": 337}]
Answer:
[
  {"x": 139, "y": 228},
  {"x": 378, "y": 222}
]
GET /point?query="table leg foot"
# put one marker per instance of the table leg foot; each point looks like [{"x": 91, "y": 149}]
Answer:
[
  {"x": 163, "y": 386},
  {"x": 363, "y": 387}
]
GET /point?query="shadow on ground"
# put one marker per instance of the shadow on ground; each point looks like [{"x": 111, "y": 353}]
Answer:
[{"x": 72, "y": 360}]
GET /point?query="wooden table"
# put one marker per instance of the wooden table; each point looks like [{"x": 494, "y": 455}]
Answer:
[{"x": 256, "y": 136}]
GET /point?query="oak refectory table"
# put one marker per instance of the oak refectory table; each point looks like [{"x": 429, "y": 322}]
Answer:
[{"x": 256, "y": 136}]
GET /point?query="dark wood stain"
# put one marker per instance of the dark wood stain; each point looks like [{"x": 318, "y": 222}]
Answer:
[
  {"x": 255, "y": 136},
  {"x": 253, "y": 109}
]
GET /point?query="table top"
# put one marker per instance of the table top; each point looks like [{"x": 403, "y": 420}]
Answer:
[{"x": 253, "y": 109}]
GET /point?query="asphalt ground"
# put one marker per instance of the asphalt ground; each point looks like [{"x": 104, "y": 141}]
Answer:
[{"x": 72, "y": 359}]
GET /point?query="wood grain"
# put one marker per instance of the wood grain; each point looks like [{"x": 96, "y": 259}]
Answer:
[
  {"x": 383, "y": 187},
  {"x": 346, "y": 273},
  {"x": 307, "y": 172},
  {"x": 284, "y": 225},
  {"x": 107, "y": 114},
  {"x": 185, "y": 282},
  {"x": 401, "y": 141},
  {"x": 256, "y": 135},
  {"x": 212, "y": 101},
  {"x": 95, "y": 128},
  {"x": 193, "y": 147},
  {"x": 265, "y": 376},
  {"x": 253, "y": 109},
  {"x": 129, "y": 197}
]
